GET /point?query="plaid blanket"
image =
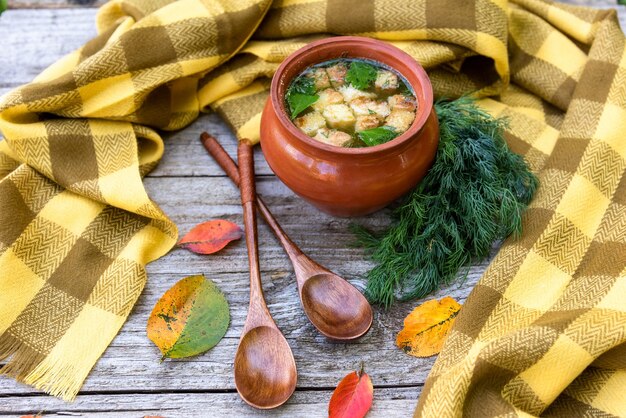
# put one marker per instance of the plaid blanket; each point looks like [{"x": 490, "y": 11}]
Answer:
[{"x": 544, "y": 331}]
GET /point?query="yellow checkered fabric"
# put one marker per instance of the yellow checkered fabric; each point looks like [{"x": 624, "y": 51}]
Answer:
[{"x": 543, "y": 332}]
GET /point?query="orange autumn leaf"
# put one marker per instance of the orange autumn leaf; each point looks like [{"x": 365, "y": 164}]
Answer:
[
  {"x": 426, "y": 328},
  {"x": 353, "y": 396},
  {"x": 210, "y": 237}
]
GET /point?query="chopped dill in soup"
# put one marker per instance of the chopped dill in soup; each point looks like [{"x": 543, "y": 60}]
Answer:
[{"x": 351, "y": 103}]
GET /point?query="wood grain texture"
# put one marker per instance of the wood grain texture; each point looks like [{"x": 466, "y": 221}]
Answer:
[
  {"x": 54, "y": 4},
  {"x": 34, "y": 39},
  {"x": 191, "y": 188}
]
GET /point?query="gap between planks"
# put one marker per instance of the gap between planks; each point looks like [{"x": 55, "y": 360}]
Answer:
[
  {"x": 313, "y": 403},
  {"x": 184, "y": 391}
]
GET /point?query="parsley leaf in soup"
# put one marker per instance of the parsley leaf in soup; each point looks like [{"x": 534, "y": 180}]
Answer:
[
  {"x": 300, "y": 95},
  {"x": 361, "y": 75},
  {"x": 298, "y": 102},
  {"x": 3, "y": 6},
  {"x": 377, "y": 136}
]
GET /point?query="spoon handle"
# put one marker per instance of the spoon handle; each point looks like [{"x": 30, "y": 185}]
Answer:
[
  {"x": 230, "y": 168},
  {"x": 258, "y": 314}
]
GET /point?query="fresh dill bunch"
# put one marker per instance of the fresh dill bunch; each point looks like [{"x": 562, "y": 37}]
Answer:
[{"x": 473, "y": 195}]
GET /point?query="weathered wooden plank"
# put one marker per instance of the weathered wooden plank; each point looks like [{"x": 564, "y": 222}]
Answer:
[
  {"x": 600, "y": 4},
  {"x": 40, "y": 4},
  {"x": 303, "y": 404},
  {"x": 54, "y": 4},
  {"x": 131, "y": 363},
  {"x": 190, "y": 200},
  {"x": 34, "y": 39},
  {"x": 185, "y": 155}
]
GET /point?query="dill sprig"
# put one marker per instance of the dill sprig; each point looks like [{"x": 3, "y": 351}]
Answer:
[{"x": 473, "y": 195}]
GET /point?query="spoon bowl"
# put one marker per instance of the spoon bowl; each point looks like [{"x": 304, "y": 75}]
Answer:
[
  {"x": 265, "y": 371},
  {"x": 335, "y": 307},
  {"x": 338, "y": 309}
]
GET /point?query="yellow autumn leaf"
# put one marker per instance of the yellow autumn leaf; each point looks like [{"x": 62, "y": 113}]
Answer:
[{"x": 426, "y": 328}]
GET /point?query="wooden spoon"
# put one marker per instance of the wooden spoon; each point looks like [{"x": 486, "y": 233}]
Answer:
[
  {"x": 336, "y": 308},
  {"x": 265, "y": 371}
]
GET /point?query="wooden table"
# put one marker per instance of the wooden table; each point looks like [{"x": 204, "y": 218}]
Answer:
[{"x": 129, "y": 380}]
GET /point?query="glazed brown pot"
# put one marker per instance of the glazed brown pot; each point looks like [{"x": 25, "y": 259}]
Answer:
[{"x": 349, "y": 181}]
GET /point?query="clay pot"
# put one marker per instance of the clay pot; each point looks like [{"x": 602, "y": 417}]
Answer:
[{"x": 349, "y": 181}]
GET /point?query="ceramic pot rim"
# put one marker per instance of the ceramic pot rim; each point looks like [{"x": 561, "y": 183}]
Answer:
[{"x": 343, "y": 43}]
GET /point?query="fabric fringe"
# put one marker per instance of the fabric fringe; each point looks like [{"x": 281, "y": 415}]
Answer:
[
  {"x": 52, "y": 374},
  {"x": 58, "y": 377},
  {"x": 23, "y": 359}
]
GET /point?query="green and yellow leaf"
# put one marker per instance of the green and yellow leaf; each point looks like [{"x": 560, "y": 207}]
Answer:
[{"x": 190, "y": 318}]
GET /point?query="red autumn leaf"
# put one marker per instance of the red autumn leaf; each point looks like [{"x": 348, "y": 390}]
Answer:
[
  {"x": 353, "y": 396},
  {"x": 210, "y": 237}
]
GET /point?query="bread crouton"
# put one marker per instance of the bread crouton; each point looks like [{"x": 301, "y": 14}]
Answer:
[
  {"x": 310, "y": 123},
  {"x": 386, "y": 82},
  {"x": 333, "y": 137},
  {"x": 351, "y": 93},
  {"x": 365, "y": 107},
  {"x": 400, "y": 119},
  {"x": 320, "y": 77},
  {"x": 339, "y": 116},
  {"x": 337, "y": 74},
  {"x": 364, "y": 123},
  {"x": 402, "y": 102},
  {"x": 327, "y": 97}
]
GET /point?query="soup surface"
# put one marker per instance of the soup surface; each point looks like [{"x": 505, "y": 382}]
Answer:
[{"x": 351, "y": 103}]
